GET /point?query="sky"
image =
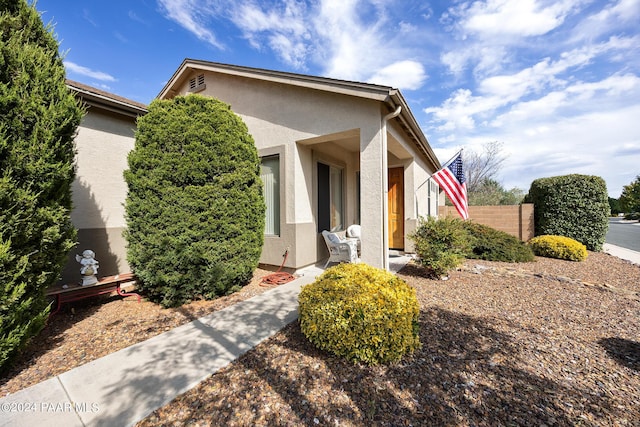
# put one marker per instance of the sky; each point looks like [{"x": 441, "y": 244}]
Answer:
[{"x": 556, "y": 82}]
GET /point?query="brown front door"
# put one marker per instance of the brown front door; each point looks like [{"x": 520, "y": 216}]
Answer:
[{"x": 396, "y": 208}]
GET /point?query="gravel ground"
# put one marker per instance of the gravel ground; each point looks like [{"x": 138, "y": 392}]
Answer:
[
  {"x": 545, "y": 343},
  {"x": 89, "y": 329},
  {"x": 550, "y": 343}
]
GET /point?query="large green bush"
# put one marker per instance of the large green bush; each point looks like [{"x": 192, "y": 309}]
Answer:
[
  {"x": 361, "y": 313},
  {"x": 495, "y": 245},
  {"x": 575, "y": 206},
  {"x": 38, "y": 121},
  {"x": 441, "y": 244},
  {"x": 195, "y": 210}
]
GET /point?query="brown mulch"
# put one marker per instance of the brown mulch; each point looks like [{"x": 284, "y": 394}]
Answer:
[
  {"x": 549, "y": 343},
  {"x": 546, "y": 343},
  {"x": 89, "y": 329}
]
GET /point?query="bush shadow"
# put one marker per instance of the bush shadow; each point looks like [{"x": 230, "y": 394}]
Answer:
[
  {"x": 624, "y": 352},
  {"x": 467, "y": 373}
]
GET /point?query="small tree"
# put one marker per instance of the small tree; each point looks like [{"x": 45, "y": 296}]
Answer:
[
  {"x": 575, "y": 206},
  {"x": 630, "y": 197},
  {"x": 195, "y": 210},
  {"x": 480, "y": 167},
  {"x": 38, "y": 120}
]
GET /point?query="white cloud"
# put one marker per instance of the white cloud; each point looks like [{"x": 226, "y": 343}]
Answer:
[
  {"x": 84, "y": 71},
  {"x": 520, "y": 18},
  {"x": 608, "y": 19},
  {"x": 284, "y": 29},
  {"x": 402, "y": 74},
  {"x": 192, "y": 15}
]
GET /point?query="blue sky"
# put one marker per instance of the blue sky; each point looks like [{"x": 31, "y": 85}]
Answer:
[{"x": 556, "y": 82}]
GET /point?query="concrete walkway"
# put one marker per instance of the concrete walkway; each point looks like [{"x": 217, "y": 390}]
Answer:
[
  {"x": 623, "y": 253},
  {"x": 124, "y": 387}
]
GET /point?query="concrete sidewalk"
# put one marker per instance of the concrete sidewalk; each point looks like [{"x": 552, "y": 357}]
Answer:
[
  {"x": 124, "y": 387},
  {"x": 623, "y": 253}
]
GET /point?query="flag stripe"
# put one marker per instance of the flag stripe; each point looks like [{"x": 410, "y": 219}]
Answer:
[{"x": 451, "y": 179}]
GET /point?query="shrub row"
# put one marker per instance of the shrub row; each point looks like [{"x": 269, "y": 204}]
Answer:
[{"x": 442, "y": 244}]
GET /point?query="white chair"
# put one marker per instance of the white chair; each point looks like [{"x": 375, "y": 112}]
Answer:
[
  {"x": 354, "y": 232},
  {"x": 340, "y": 250}
]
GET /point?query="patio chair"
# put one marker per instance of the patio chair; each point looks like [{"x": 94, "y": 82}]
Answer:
[
  {"x": 354, "y": 233},
  {"x": 340, "y": 250}
]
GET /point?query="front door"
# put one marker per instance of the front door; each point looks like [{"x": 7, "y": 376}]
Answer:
[{"x": 396, "y": 208}]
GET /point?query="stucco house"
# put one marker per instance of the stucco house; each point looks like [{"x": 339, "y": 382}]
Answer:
[
  {"x": 333, "y": 153},
  {"x": 104, "y": 138}
]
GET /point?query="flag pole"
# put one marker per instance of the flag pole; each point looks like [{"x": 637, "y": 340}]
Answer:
[{"x": 449, "y": 162}]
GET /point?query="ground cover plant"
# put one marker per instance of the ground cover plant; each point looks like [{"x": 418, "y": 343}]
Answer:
[
  {"x": 495, "y": 245},
  {"x": 195, "y": 210}
]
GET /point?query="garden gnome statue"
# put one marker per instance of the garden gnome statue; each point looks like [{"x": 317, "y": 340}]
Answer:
[{"x": 89, "y": 267}]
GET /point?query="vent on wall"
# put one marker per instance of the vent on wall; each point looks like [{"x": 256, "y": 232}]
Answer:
[{"x": 196, "y": 84}]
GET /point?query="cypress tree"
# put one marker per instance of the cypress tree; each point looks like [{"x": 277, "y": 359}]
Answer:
[
  {"x": 38, "y": 120},
  {"x": 195, "y": 210}
]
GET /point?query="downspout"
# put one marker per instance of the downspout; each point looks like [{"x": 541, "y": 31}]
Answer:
[{"x": 385, "y": 189}]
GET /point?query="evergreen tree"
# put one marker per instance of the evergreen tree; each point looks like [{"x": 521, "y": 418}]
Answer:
[
  {"x": 630, "y": 197},
  {"x": 38, "y": 120},
  {"x": 195, "y": 211}
]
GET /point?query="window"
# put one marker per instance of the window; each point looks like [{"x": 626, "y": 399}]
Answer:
[
  {"x": 330, "y": 198},
  {"x": 270, "y": 174}
]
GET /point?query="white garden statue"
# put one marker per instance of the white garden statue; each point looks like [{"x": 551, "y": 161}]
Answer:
[{"x": 89, "y": 267}]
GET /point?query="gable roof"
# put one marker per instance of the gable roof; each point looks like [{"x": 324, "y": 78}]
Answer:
[
  {"x": 390, "y": 96},
  {"x": 99, "y": 98}
]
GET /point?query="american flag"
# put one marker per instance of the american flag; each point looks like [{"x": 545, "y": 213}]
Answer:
[{"x": 451, "y": 179}]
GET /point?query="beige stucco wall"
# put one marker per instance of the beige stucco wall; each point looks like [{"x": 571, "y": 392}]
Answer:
[
  {"x": 295, "y": 120},
  {"x": 103, "y": 141},
  {"x": 305, "y": 126}
]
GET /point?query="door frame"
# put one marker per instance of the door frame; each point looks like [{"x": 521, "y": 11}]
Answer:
[{"x": 398, "y": 242}]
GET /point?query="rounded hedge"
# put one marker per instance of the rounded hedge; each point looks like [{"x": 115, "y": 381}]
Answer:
[
  {"x": 558, "y": 247},
  {"x": 195, "y": 210},
  {"x": 362, "y": 313},
  {"x": 575, "y": 206}
]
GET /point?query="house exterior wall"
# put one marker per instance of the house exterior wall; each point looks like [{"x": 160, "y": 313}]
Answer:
[
  {"x": 291, "y": 121},
  {"x": 103, "y": 142},
  {"x": 516, "y": 220}
]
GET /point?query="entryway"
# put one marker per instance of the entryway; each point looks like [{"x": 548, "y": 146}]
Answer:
[{"x": 396, "y": 208}]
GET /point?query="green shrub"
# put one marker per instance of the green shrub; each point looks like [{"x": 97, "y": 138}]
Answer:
[
  {"x": 633, "y": 216},
  {"x": 558, "y": 247},
  {"x": 361, "y": 313},
  {"x": 495, "y": 245},
  {"x": 38, "y": 120},
  {"x": 575, "y": 206},
  {"x": 441, "y": 244},
  {"x": 195, "y": 211}
]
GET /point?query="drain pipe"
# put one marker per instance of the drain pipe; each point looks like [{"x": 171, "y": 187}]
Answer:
[{"x": 385, "y": 189}]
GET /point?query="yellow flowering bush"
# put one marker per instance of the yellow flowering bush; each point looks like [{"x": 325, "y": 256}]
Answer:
[
  {"x": 558, "y": 247},
  {"x": 360, "y": 312}
]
